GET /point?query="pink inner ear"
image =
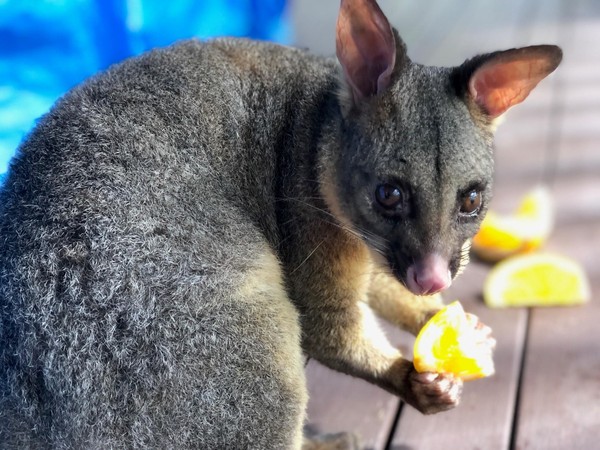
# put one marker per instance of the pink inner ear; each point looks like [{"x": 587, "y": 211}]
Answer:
[
  {"x": 498, "y": 85},
  {"x": 365, "y": 46}
]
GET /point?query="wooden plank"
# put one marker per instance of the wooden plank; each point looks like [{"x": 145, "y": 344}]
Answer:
[
  {"x": 580, "y": 241},
  {"x": 484, "y": 417},
  {"x": 339, "y": 402},
  {"x": 570, "y": 148},
  {"x": 576, "y": 193},
  {"x": 560, "y": 403},
  {"x": 527, "y": 145},
  {"x": 447, "y": 33}
]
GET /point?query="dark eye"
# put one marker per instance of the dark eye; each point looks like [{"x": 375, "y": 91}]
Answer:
[
  {"x": 389, "y": 196},
  {"x": 471, "y": 203}
]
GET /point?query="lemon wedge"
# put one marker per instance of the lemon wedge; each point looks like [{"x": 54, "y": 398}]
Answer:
[
  {"x": 449, "y": 343},
  {"x": 540, "y": 279},
  {"x": 524, "y": 231}
]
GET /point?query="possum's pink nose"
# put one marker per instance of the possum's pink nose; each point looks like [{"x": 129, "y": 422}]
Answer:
[{"x": 428, "y": 276}]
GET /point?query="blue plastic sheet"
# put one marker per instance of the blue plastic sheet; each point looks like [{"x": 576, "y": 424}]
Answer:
[{"x": 48, "y": 46}]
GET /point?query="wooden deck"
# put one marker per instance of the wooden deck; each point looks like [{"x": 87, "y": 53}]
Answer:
[{"x": 546, "y": 392}]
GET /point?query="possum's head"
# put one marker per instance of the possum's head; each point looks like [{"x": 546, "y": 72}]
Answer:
[{"x": 414, "y": 170}]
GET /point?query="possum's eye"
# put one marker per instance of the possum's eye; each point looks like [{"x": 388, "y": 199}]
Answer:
[
  {"x": 471, "y": 203},
  {"x": 389, "y": 196}
]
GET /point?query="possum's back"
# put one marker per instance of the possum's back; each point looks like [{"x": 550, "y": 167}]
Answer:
[
  {"x": 130, "y": 214},
  {"x": 191, "y": 120}
]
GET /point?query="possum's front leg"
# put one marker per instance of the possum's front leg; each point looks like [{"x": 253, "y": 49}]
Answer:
[
  {"x": 353, "y": 343},
  {"x": 340, "y": 330}
]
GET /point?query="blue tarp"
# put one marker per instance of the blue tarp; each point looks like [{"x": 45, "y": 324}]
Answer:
[{"x": 48, "y": 46}]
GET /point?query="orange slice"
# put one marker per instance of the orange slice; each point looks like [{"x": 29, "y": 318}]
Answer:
[
  {"x": 449, "y": 343},
  {"x": 526, "y": 230},
  {"x": 539, "y": 279}
]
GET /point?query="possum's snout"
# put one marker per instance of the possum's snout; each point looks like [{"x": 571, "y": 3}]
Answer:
[{"x": 429, "y": 275}]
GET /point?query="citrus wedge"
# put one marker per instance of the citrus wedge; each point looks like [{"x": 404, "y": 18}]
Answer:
[
  {"x": 539, "y": 279},
  {"x": 526, "y": 230},
  {"x": 449, "y": 343}
]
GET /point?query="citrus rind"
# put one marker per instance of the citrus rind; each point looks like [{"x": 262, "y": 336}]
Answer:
[
  {"x": 448, "y": 344},
  {"x": 501, "y": 236},
  {"x": 540, "y": 279}
]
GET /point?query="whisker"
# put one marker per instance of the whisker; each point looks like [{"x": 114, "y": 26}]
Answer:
[
  {"x": 308, "y": 257},
  {"x": 381, "y": 271},
  {"x": 360, "y": 230},
  {"x": 320, "y": 182},
  {"x": 377, "y": 246},
  {"x": 327, "y": 213},
  {"x": 376, "y": 242},
  {"x": 285, "y": 199},
  {"x": 464, "y": 258}
]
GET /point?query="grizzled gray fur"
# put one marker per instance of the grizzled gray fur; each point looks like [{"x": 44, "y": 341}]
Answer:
[{"x": 178, "y": 232}]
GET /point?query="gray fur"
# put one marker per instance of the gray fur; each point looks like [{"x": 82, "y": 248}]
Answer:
[{"x": 138, "y": 207}]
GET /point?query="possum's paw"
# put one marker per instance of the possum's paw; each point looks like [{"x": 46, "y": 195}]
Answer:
[
  {"x": 338, "y": 441},
  {"x": 433, "y": 392}
]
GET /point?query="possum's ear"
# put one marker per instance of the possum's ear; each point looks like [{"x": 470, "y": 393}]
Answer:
[
  {"x": 501, "y": 80},
  {"x": 365, "y": 46}
]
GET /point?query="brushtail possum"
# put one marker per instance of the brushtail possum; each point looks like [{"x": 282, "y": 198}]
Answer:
[{"x": 178, "y": 232}]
